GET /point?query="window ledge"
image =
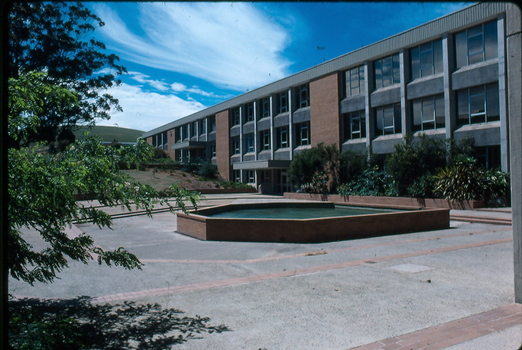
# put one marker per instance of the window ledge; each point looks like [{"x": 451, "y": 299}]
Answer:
[
  {"x": 354, "y": 141},
  {"x": 427, "y": 78},
  {"x": 388, "y": 137},
  {"x": 303, "y": 147},
  {"x": 477, "y": 65},
  {"x": 490, "y": 125},
  {"x": 282, "y": 149},
  {"x": 391, "y": 87},
  {"x": 430, "y": 132}
]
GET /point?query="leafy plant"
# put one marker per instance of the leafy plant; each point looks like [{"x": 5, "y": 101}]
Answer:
[
  {"x": 372, "y": 182},
  {"x": 208, "y": 170},
  {"x": 462, "y": 181},
  {"x": 41, "y": 195}
]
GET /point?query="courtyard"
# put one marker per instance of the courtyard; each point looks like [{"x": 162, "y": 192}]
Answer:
[{"x": 449, "y": 288}]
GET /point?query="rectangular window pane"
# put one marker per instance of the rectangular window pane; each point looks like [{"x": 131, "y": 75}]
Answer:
[
  {"x": 378, "y": 74},
  {"x": 397, "y": 118},
  {"x": 417, "y": 115},
  {"x": 437, "y": 56},
  {"x": 490, "y": 40},
  {"x": 396, "y": 70},
  {"x": 388, "y": 120},
  {"x": 361, "y": 79},
  {"x": 475, "y": 49},
  {"x": 415, "y": 63},
  {"x": 492, "y": 103},
  {"x": 461, "y": 49},
  {"x": 463, "y": 107},
  {"x": 440, "y": 119}
]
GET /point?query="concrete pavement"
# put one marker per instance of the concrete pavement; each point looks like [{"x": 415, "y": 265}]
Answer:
[{"x": 448, "y": 289}]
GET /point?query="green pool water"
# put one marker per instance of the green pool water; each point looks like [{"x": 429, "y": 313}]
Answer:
[{"x": 297, "y": 213}]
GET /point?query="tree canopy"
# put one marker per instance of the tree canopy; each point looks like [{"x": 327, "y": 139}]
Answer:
[{"x": 56, "y": 38}]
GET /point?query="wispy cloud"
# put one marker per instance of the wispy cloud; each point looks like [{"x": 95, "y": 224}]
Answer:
[
  {"x": 148, "y": 110},
  {"x": 233, "y": 45}
]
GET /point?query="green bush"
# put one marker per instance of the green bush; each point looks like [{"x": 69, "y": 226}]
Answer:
[
  {"x": 372, "y": 182},
  {"x": 208, "y": 170},
  {"x": 467, "y": 181}
]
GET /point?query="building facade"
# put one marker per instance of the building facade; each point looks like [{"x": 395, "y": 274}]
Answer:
[{"x": 446, "y": 78}]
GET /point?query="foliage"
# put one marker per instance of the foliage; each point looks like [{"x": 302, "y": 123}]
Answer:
[
  {"x": 467, "y": 181},
  {"x": 79, "y": 324},
  {"x": 353, "y": 164},
  {"x": 316, "y": 169},
  {"x": 372, "y": 182},
  {"x": 234, "y": 185},
  {"x": 413, "y": 159},
  {"x": 41, "y": 196},
  {"x": 422, "y": 187},
  {"x": 29, "y": 95},
  {"x": 207, "y": 170},
  {"x": 56, "y": 38}
]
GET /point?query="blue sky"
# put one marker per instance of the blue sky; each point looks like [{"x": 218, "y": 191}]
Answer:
[{"x": 182, "y": 57}]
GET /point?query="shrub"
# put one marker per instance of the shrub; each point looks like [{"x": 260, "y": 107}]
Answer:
[
  {"x": 462, "y": 181},
  {"x": 372, "y": 182},
  {"x": 208, "y": 170}
]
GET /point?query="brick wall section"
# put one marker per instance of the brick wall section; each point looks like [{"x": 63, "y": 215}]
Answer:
[
  {"x": 171, "y": 139},
  {"x": 223, "y": 144},
  {"x": 324, "y": 111}
]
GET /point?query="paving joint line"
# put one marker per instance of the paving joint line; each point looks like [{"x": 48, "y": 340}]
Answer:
[{"x": 292, "y": 273}]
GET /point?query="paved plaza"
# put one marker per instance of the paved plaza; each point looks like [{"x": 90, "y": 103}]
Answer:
[{"x": 447, "y": 289}]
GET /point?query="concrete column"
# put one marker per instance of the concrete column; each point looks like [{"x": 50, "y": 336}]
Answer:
[
  {"x": 291, "y": 136},
  {"x": 514, "y": 82},
  {"x": 241, "y": 137},
  {"x": 404, "y": 60},
  {"x": 256, "y": 136},
  {"x": 504, "y": 120},
  {"x": 449, "y": 101},
  {"x": 368, "y": 88},
  {"x": 272, "y": 131}
]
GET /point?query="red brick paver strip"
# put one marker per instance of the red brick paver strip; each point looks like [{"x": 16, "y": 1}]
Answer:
[
  {"x": 296, "y": 272},
  {"x": 453, "y": 332}
]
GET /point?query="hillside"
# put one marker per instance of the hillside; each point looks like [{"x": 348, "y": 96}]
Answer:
[{"x": 109, "y": 133}]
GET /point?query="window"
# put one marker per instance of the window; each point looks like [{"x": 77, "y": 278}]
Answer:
[
  {"x": 236, "y": 116},
  {"x": 213, "y": 150},
  {"x": 303, "y": 134},
  {"x": 478, "y": 104},
  {"x": 236, "y": 175},
  {"x": 428, "y": 113},
  {"x": 387, "y": 71},
  {"x": 194, "y": 129},
  {"x": 184, "y": 132},
  {"x": 265, "y": 140},
  {"x": 236, "y": 145},
  {"x": 249, "y": 143},
  {"x": 354, "y": 125},
  {"x": 249, "y": 107},
  {"x": 212, "y": 121},
  {"x": 282, "y": 137},
  {"x": 202, "y": 126},
  {"x": 251, "y": 176},
  {"x": 282, "y": 102},
  {"x": 354, "y": 81},
  {"x": 303, "y": 99},
  {"x": 264, "y": 105},
  {"x": 476, "y": 44},
  {"x": 426, "y": 59},
  {"x": 388, "y": 120}
]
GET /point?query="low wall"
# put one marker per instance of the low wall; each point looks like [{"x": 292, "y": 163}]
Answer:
[
  {"x": 311, "y": 230},
  {"x": 389, "y": 202},
  {"x": 226, "y": 190}
]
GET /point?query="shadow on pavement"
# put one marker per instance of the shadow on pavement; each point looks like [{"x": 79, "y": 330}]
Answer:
[{"x": 79, "y": 324}]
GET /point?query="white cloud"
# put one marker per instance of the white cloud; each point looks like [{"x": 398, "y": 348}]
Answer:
[
  {"x": 147, "y": 110},
  {"x": 229, "y": 44}
]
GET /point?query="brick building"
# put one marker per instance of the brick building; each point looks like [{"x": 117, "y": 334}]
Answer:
[{"x": 447, "y": 78}]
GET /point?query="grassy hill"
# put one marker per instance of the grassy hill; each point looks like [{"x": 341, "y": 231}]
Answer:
[{"x": 109, "y": 133}]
